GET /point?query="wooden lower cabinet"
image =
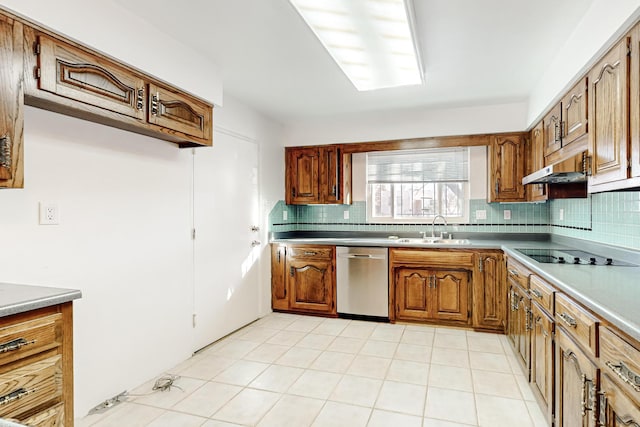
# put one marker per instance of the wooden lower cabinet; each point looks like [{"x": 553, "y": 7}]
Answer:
[
  {"x": 616, "y": 408},
  {"x": 428, "y": 294},
  {"x": 489, "y": 292},
  {"x": 36, "y": 367},
  {"x": 279, "y": 298},
  {"x": 576, "y": 384},
  {"x": 303, "y": 279},
  {"x": 542, "y": 346},
  {"x": 519, "y": 324},
  {"x": 311, "y": 284}
]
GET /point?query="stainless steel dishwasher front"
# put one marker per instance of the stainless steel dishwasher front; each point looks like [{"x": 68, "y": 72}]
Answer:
[{"x": 362, "y": 281}]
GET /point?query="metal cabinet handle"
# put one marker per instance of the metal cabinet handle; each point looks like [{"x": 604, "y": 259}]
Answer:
[
  {"x": 293, "y": 192},
  {"x": 155, "y": 101},
  {"x": 513, "y": 273},
  {"x": 480, "y": 264},
  {"x": 5, "y": 152},
  {"x": 625, "y": 374},
  {"x": 140, "y": 99},
  {"x": 291, "y": 270},
  {"x": 310, "y": 253},
  {"x": 255, "y": 243},
  {"x": 602, "y": 419},
  {"x": 528, "y": 322},
  {"x": 568, "y": 320},
  {"x": 15, "y": 395},
  {"x": 497, "y": 186},
  {"x": 536, "y": 293},
  {"x": 14, "y": 345},
  {"x": 583, "y": 395}
]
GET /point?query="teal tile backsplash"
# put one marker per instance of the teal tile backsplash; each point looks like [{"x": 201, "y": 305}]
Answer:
[{"x": 610, "y": 218}]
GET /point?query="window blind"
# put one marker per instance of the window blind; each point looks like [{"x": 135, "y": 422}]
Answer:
[{"x": 426, "y": 165}]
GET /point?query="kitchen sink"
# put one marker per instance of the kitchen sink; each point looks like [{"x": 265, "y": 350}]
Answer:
[{"x": 435, "y": 241}]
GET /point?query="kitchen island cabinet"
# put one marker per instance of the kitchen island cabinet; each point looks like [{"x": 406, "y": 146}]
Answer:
[{"x": 36, "y": 355}]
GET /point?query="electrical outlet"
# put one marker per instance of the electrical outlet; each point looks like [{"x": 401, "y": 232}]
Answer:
[
  {"x": 346, "y": 215},
  {"x": 49, "y": 213},
  {"x": 481, "y": 214},
  {"x": 507, "y": 214},
  {"x": 285, "y": 215},
  {"x": 561, "y": 215}
]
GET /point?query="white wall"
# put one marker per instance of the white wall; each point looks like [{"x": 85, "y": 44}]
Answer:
[
  {"x": 110, "y": 28},
  {"x": 408, "y": 124},
  {"x": 604, "y": 22}
]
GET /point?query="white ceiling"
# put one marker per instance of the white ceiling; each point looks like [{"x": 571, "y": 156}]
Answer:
[{"x": 475, "y": 52}]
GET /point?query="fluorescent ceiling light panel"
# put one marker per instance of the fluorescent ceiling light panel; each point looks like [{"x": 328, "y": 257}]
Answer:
[{"x": 371, "y": 40}]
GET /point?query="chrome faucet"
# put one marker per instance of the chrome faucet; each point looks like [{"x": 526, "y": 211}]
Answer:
[{"x": 433, "y": 226}]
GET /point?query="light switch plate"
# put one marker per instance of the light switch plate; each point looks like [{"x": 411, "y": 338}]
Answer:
[
  {"x": 285, "y": 215},
  {"x": 561, "y": 215},
  {"x": 481, "y": 214},
  {"x": 346, "y": 214},
  {"x": 507, "y": 214}
]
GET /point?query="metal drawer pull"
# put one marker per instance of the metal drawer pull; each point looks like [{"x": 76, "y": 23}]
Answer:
[
  {"x": 625, "y": 374},
  {"x": 514, "y": 273},
  {"x": 568, "y": 320},
  {"x": 16, "y": 344},
  {"x": 309, "y": 253},
  {"x": 5, "y": 151},
  {"x": 536, "y": 293},
  {"x": 15, "y": 395}
]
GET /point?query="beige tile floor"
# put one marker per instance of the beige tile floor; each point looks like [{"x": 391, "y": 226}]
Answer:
[{"x": 296, "y": 371}]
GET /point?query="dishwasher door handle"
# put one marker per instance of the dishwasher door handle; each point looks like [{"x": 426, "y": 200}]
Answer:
[{"x": 361, "y": 256}]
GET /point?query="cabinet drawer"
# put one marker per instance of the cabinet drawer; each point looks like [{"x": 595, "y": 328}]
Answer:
[
  {"x": 432, "y": 257},
  {"x": 29, "y": 337},
  {"x": 315, "y": 252},
  {"x": 518, "y": 273},
  {"x": 580, "y": 324},
  {"x": 52, "y": 417},
  {"x": 621, "y": 361},
  {"x": 24, "y": 388},
  {"x": 541, "y": 292}
]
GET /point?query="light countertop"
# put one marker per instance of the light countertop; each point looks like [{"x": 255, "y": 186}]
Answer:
[{"x": 16, "y": 299}]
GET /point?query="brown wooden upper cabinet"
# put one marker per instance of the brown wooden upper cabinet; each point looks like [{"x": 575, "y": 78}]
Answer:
[
  {"x": 506, "y": 168},
  {"x": 552, "y": 122},
  {"x": 608, "y": 89},
  {"x": 11, "y": 99},
  {"x": 567, "y": 120},
  {"x": 317, "y": 175},
  {"x": 635, "y": 104},
  {"x": 72, "y": 79},
  {"x": 535, "y": 162}
]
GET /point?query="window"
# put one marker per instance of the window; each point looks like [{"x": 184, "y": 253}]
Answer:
[{"x": 417, "y": 185}]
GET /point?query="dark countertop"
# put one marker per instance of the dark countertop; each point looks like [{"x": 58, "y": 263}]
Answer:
[
  {"x": 611, "y": 292},
  {"x": 16, "y": 299}
]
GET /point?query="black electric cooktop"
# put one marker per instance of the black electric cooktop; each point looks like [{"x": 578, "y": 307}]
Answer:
[{"x": 571, "y": 256}]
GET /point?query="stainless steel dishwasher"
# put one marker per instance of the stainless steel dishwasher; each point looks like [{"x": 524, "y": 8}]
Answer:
[{"x": 362, "y": 281}]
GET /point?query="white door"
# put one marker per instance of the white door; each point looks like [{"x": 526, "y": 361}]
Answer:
[{"x": 225, "y": 207}]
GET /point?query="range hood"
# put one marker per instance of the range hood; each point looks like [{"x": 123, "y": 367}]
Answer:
[{"x": 572, "y": 170}]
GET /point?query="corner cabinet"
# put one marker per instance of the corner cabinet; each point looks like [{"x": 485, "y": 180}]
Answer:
[
  {"x": 317, "y": 175},
  {"x": 303, "y": 279},
  {"x": 506, "y": 158},
  {"x": 489, "y": 292},
  {"x": 11, "y": 104}
]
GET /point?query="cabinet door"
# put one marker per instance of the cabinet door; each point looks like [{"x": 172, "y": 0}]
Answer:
[
  {"x": 552, "y": 135},
  {"x": 451, "y": 295},
  {"x": 488, "y": 299},
  {"x": 70, "y": 72},
  {"x": 412, "y": 292},
  {"x": 311, "y": 285},
  {"x": 518, "y": 324},
  {"x": 179, "y": 112},
  {"x": 574, "y": 113},
  {"x": 635, "y": 101},
  {"x": 575, "y": 384},
  {"x": 608, "y": 88},
  {"x": 542, "y": 358},
  {"x": 279, "y": 300},
  {"x": 302, "y": 175},
  {"x": 536, "y": 192},
  {"x": 616, "y": 408},
  {"x": 331, "y": 174},
  {"x": 507, "y": 168},
  {"x": 11, "y": 104}
]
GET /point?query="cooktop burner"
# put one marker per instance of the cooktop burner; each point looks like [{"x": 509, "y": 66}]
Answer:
[{"x": 570, "y": 256}]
